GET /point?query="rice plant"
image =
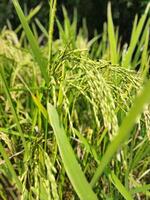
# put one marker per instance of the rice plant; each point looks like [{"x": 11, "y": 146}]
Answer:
[{"x": 74, "y": 120}]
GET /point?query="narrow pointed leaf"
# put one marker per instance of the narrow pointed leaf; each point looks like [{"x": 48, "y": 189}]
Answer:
[
  {"x": 10, "y": 167},
  {"x": 125, "y": 193},
  {"x": 112, "y": 37},
  {"x": 42, "y": 62},
  {"x": 72, "y": 167},
  {"x": 135, "y": 38}
]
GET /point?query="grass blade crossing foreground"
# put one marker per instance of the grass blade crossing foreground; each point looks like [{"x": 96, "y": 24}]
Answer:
[
  {"x": 42, "y": 62},
  {"x": 124, "y": 130},
  {"x": 74, "y": 172}
]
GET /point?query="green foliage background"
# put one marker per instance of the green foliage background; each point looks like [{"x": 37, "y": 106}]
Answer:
[
  {"x": 94, "y": 12},
  {"x": 69, "y": 101}
]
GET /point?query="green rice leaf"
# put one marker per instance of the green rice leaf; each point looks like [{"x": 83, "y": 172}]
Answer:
[
  {"x": 87, "y": 146},
  {"x": 145, "y": 54},
  {"x": 10, "y": 167},
  {"x": 42, "y": 28},
  {"x": 42, "y": 62},
  {"x": 134, "y": 39},
  {"x": 53, "y": 4},
  {"x": 7, "y": 92},
  {"x": 32, "y": 13},
  {"x": 120, "y": 187},
  {"x": 134, "y": 27},
  {"x": 112, "y": 37},
  {"x": 143, "y": 189},
  {"x": 74, "y": 172},
  {"x": 141, "y": 43}
]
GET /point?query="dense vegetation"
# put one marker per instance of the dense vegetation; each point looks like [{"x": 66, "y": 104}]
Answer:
[{"x": 74, "y": 113}]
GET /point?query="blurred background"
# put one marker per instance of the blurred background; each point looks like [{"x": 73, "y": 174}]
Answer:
[{"x": 94, "y": 11}]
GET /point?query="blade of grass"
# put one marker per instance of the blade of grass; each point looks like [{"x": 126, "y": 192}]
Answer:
[
  {"x": 145, "y": 53},
  {"x": 124, "y": 130},
  {"x": 143, "y": 189},
  {"x": 75, "y": 174},
  {"x": 53, "y": 4},
  {"x": 146, "y": 69},
  {"x": 32, "y": 13},
  {"x": 60, "y": 30},
  {"x": 42, "y": 28},
  {"x": 7, "y": 92},
  {"x": 67, "y": 23},
  {"x": 120, "y": 187},
  {"x": 141, "y": 42},
  {"x": 87, "y": 146},
  {"x": 35, "y": 99},
  {"x": 74, "y": 26},
  {"x": 135, "y": 38},
  {"x": 112, "y": 37},
  {"x": 39, "y": 105},
  {"x": 42, "y": 62},
  {"x": 134, "y": 28},
  {"x": 140, "y": 154},
  {"x": 16, "y": 133},
  {"x": 10, "y": 167}
]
